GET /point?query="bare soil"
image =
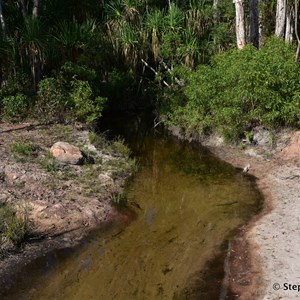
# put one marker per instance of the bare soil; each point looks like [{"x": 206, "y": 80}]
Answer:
[{"x": 62, "y": 203}]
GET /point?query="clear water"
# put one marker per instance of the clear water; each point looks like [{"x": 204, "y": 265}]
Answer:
[{"x": 188, "y": 205}]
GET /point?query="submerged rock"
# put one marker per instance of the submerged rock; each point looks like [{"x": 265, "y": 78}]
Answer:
[{"x": 67, "y": 154}]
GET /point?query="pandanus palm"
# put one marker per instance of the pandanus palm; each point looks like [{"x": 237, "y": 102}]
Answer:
[
  {"x": 171, "y": 37},
  {"x": 73, "y": 37},
  {"x": 129, "y": 43},
  {"x": 174, "y": 20},
  {"x": 33, "y": 42},
  {"x": 123, "y": 23},
  {"x": 114, "y": 22},
  {"x": 189, "y": 50},
  {"x": 199, "y": 16},
  {"x": 154, "y": 25}
]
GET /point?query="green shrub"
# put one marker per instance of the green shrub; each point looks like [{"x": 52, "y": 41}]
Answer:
[
  {"x": 17, "y": 83},
  {"x": 53, "y": 101},
  {"x": 118, "y": 147},
  {"x": 15, "y": 108},
  {"x": 25, "y": 149},
  {"x": 86, "y": 108},
  {"x": 63, "y": 101},
  {"x": 240, "y": 89},
  {"x": 12, "y": 227}
]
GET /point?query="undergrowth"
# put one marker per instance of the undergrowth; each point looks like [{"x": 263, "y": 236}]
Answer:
[
  {"x": 239, "y": 90},
  {"x": 13, "y": 227}
]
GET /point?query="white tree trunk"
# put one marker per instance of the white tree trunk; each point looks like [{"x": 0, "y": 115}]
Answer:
[
  {"x": 296, "y": 30},
  {"x": 35, "y": 9},
  {"x": 254, "y": 25},
  {"x": 262, "y": 5},
  {"x": 2, "y": 21},
  {"x": 169, "y": 4},
  {"x": 289, "y": 24},
  {"x": 280, "y": 18},
  {"x": 240, "y": 24},
  {"x": 216, "y": 16}
]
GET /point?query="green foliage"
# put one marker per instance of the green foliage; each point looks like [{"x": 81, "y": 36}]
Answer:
[
  {"x": 19, "y": 83},
  {"x": 16, "y": 107},
  {"x": 103, "y": 43},
  {"x": 118, "y": 147},
  {"x": 25, "y": 149},
  {"x": 15, "y": 98},
  {"x": 53, "y": 101},
  {"x": 64, "y": 101},
  {"x": 82, "y": 72},
  {"x": 99, "y": 141},
  {"x": 240, "y": 89},
  {"x": 13, "y": 228},
  {"x": 119, "y": 199},
  {"x": 86, "y": 109},
  {"x": 33, "y": 36}
]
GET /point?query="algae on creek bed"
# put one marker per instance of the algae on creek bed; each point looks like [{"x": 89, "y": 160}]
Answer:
[{"x": 188, "y": 204}]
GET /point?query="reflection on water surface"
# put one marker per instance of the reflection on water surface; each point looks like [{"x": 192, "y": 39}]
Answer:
[{"x": 189, "y": 203}]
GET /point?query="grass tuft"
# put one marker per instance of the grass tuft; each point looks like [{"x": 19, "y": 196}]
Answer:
[
  {"x": 13, "y": 228},
  {"x": 25, "y": 149}
]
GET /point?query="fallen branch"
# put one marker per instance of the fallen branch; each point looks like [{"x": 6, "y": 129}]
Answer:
[{"x": 155, "y": 72}]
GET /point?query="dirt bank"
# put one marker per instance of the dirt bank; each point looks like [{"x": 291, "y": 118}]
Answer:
[
  {"x": 61, "y": 202},
  {"x": 264, "y": 256}
]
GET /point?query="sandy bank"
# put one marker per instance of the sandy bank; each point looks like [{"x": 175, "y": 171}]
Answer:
[{"x": 264, "y": 256}]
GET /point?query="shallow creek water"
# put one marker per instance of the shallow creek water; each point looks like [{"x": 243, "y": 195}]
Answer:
[{"x": 188, "y": 205}]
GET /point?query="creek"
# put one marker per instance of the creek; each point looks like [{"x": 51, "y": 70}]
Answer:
[{"x": 189, "y": 205}]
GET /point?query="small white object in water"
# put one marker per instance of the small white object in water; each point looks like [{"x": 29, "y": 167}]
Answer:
[{"x": 246, "y": 169}]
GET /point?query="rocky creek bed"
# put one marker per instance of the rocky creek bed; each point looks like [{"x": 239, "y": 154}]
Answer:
[{"x": 62, "y": 201}]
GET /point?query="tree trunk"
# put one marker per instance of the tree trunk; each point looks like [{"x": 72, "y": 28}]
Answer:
[
  {"x": 280, "y": 18},
  {"x": 24, "y": 8},
  {"x": 36, "y": 61},
  {"x": 254, "y": 24},
  {"x": 36, "y": 71},
  {"x": 1, "y": 75},
  {"x": 296, "y": 30},
  {"x": 240, "y": 24},
  {"x": 35, "y": 9},
  {"x": 2, "y": 21},
  {"x": 261, "y": 14},
  {"x": 169, "y": 4},
  {"x": 216, "y": 16},
  {"x": 289, "y": 24}
]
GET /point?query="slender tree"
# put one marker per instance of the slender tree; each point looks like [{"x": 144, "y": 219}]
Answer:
[
  {"x": 254, "y": 24},
  {"x": 2, "y": 21},
  {"x": 289, "y": 27},
  {"x": 280, "y": 18},
  {"x": 240, "y": 24},
  {"x": 216, "y": 15},
  {"x": 296, "y": 29},
  {"x": 35, "y": 9},
  {"x": 24, "y": 7}
]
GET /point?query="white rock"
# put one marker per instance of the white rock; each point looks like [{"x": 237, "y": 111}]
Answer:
[{"x": 66, "y": 153}]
